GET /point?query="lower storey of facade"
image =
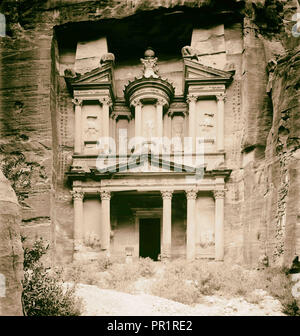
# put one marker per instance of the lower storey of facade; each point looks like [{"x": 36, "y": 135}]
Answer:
[{"x": 161, "y": 223}]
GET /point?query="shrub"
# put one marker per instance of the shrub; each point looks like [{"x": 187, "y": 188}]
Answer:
[
  {"x": 43, "y": 291},
  {"x": 146, "y": 267},
  {"x": 176, "y": 288},
  {"x": 188, "y": 282},
  {"x": 291, "y": 308},
  {"x": 44, "y": 295},
  {"x": 34, "y": 254}
]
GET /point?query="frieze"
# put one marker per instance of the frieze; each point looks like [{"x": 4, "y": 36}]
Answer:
[
  {"x": 208, "y": 88},
  {"x": 90, "y": 93}
]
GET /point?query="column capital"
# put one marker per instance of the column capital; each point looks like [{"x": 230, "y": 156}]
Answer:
[
  {"x": 191, "y": 98},
  {"x": 114, "y": 116},
  {"x": 166, "y": 194},
  {"x": 191, "y": 194},
  {"x": 105, "y": 100},
  {"x": 219, "y": 193},
  {"x": 77, "y": 195},
  {"x": 136, "y": 102},
  {"x": 221, "y": 96},
  {"x": 77, "y": 101},
  {"x": 105, "y": 195},
  {"x": 161, "y": 102}
]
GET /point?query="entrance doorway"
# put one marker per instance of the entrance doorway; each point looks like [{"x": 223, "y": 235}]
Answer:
[{"x": 150, "y": 238}]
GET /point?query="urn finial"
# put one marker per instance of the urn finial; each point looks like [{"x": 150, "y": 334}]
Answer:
[{"x": 150, "y": 63}]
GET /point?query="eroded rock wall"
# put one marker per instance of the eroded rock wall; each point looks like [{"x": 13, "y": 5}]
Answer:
[{"x": 11, "y": 251}]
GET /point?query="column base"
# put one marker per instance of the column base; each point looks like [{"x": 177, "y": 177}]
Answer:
[
  {"x": 165, "y": 257},
  {"x": 165, "y": 253},
  {"x": 84, "y": 253},
  {"x": 190, "y": 258}
]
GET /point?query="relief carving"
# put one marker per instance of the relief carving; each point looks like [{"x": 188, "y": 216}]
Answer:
[
  {"x": 149, "y": 128},
  {"x": 189, "y": 52},
  {"x": 92, "y": 131},
  {"x": 207, "y": 121},
  {"x": 150, "y": 64},
  {"x": 177, "y": 127}
]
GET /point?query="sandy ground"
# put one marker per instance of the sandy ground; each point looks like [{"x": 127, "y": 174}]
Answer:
[{"x": 103, "y": 302}]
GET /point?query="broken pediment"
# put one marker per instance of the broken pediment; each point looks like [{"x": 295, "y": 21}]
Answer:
[
  {"x": 99, "y": 78},
  {"x": 196, "y": 73},
  {"x": 98, "y": 75}
]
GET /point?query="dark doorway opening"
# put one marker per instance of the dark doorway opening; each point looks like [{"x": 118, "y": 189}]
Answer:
[{"x": 150, "y": 238}]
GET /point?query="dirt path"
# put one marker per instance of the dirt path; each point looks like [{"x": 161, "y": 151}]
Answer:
[{"x": 103, "y": 302}]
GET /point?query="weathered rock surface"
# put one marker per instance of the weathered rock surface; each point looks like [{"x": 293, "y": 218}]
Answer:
[{"x": 11, "y": 252}]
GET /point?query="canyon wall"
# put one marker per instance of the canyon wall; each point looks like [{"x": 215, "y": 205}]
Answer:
[{"x": 11, "y": 251}]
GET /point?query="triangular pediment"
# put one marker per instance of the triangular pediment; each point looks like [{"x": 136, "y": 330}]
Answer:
[
  {"x": 195, "y": 70},
  {"x": 145, "y": 163},
  {"x": 99, "y": 75}
]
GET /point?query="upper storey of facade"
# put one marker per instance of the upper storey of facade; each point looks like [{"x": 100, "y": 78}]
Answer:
[{"x": 183, "y": 111}]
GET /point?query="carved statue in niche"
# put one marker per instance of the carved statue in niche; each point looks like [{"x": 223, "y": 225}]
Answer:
[
  {"x": 177, "y": 127},
  {"x": 122, "y": 134},
  {"x": 177, "y": 133},
  {"x": 92, "y": 130},
  {"x": 149, "y": 128},
  {"x": 150, "y": 64}
]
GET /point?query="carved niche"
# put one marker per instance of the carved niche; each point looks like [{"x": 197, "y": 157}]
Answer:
[{"x": 92, "y": 130}]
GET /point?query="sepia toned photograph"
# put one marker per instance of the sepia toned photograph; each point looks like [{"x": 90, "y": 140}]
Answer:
[{"x": 149, "y": 160}]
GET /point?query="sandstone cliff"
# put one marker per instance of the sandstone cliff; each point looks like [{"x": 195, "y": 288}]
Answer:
[{"x": 11, "y": 252}]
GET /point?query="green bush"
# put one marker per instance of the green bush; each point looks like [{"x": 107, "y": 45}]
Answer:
[{"x": 43, "y": 291}]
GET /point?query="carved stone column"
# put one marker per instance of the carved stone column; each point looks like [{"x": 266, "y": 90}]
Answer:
[
  {"x": 159, "y": 117},
  {"x": 105, "y": 222},
  {"x": 191, "y": 100},
  {"x": 167, "y": 223},
  {"x": 219, "y": 224},
  {"x": 77, "y": 127},
  {"x": 114, "y": 134},
  {"x": 167, "y": 125},
  {"x": 191, "y": 196},
  {"x": 220, "y": 121},
  {"x": 78, "y": 218},
  {"x": 138, "y": 117},
  {"x": 106, "y": 103}
]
